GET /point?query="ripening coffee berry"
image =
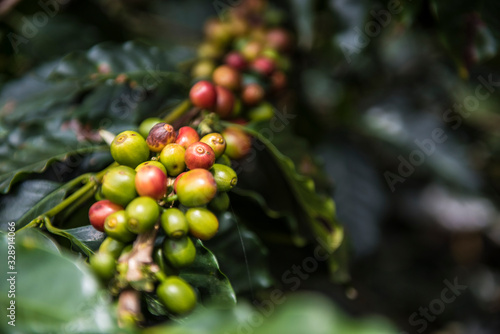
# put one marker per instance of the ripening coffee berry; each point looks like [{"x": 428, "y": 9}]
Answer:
[
  {"x": 177, "y": 295},
  {"x": 147, "y": 124},
  {"x": 203, "y": 95},
  {"x": 225, "y": 177},
  {"x": 262, "y": 112},
  {"x": 238, "y": 143},
  {"x": 187, "y": 136},
  {"x": 227, "y": 77},
  {"x": 151, "y": 181},
  {"x": 103, "y": 265},
  {"x": 224, "y": 104},
  {"x": 129, "y": 148},
  {"x": 203, "y": 224},
  {"x": 235, "y": 60},
  {"x": 116, "y": 227},
  {"x": 172, "y": 157},
  {"x": 177, "y": 180},
  {"x": 99, "y": 211},
  {"x": 220, "y": 203},
  {"x": 143, "y": 212},
  {"x": 160, "y": 136},
  {"x": 263, "y": 65},
  {"x": 278, "y": 81},
  {"x": 118, "y": 185},
  {"x": 174, "y": 223},
  {"x": 180, "y": 252},
  {"x": 251, "y": 50},
  {"x": 203, "y": 69},
  {"x": 217, "y": 31},
  {"x": 199, "y": 155},
  {"x": 252, "y": 94},
  {"x": 112, "y": 247},
  {"x": 196, "y": 187},
  {"x": 279, "y": 39},
  {"x": 223, "y": 160},
  {"x": 209, "y": 51},
  {"x": 152, "y": 163},
  {"x": 216, "y": 142}
]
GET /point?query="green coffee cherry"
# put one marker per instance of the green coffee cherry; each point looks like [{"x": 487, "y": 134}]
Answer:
[
  {"x": 152, "y": 163},
  {"x": 147, "y": 124},
  {"x": 223, "y": 160},
  {"x": 174, "y": 223},
  {"x": 118, "y": 185},
  {"x": 143, "y": 212},
  {"x": 263, "y": 112},
  {"x": 225, "y": 177},
  {"x": 180, "y": 253},
  {"x": 220, "y": 203},
  {"x": 103, "y": 265},
  {"x": 177, "y": 295},
  {"x": 115, "y": 226},
  {"x": 112, "y": 246},
  {"x": 203, "y": 224},
  {"x": 129, "y": 148},
  {"x": 216, "y": 142},
  {"x": 165, "y": 267},
  {"x": 172, "y": 157}
]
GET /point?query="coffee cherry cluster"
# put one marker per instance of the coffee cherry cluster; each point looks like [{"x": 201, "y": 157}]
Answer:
[
  {"x": 241, "y": 62},
  {"x": 173, "y": 179}
]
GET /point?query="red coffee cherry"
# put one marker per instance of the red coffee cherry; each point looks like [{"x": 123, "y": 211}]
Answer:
[
  {"x": 151, "y": 181},
  {"x": 225, "y": 102},
  {"x": 227, "y": 77},
  {"x": 279, "y": 39},
  {"x": 160, "y": 136},
  {"x": 263, "y": 66},
  {"x": 199, "y": 155},
  {"x": 203, "y": 95},
  {"x": 236, "y": 60},
  {"x": 252, "y": 94},
  {"x": 99, "y": 211},
  {"x": 238, "y": 143},
  {"x": 186, "y": 136}
]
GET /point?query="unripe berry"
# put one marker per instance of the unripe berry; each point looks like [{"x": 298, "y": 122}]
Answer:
[
  {"x": 143, "y": 212},
  {"x": 227, "y": 77},
  {"x": 235, "y": 60},
  {"x": 263, "y": 66},
  {"x": 180, "y": 253},
  {"x": 152, "y": 163},
  {"x": 116, "y": 227},
  {"x": 220, "y": 203},
  {"x": 129, "y": 148},
  {"x": 224, "y": 176},
  {"x": 99, "y": 211},
  {"x": 147, "y": 124},
  {"x": 203, "y": 69},
  {"x": 216, "y": 142},
  {"x": 224, "y": 104},
  {"x": 223, "y": 160},
  {"x": 177, "y": 180},
  {"x": 203, "y": 95},
  {"x": 209, "y": 50},
  {"x": 238, "y": 143},
  {"x": 103, "y": 265},
  {"x": 217, "y": 31},
  {"x": 252, "y": 94},
  {"x": 174, "y": 223},
  {"x": 151, "y": 181},
  {"x": 203, "y": 224},
  {"x": 160, "y": 136},
  {"x": 176, "y": 295},
  {"x": 279, "y": 39},
  {"x": 172, "y": 157},
  {"x": 251, "y": 50},
  {"x": 196, "y": 187},
  {"x": 263, "y": 112},
  {"x": 199, "y": 155},
  {"x": 112, "y": 247},
  {"x": 118, "y": 185},
  {"x": 186, "y": 136}
]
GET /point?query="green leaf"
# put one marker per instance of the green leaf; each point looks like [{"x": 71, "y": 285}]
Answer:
[
  {"x": 291, "y": 314},
  {"x": 205, "y": 275},
  {"x": 86, "y": 238},
  {"x": 54, "y": 293},
  {"x": 242, "y": 256}
]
